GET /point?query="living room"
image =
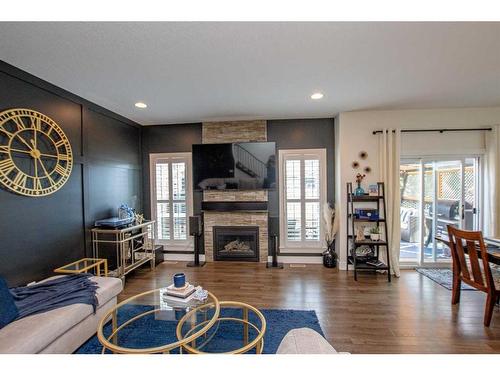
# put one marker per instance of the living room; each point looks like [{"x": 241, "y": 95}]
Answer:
[{"x": 249, "y": 188}]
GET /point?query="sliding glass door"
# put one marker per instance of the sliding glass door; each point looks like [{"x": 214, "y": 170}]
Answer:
[{"x": 436, "y": 192}]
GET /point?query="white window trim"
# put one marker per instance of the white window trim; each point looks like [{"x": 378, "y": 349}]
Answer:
[
  {"x": 173, "y": 245},
  {"x": 302, "y": 246}
]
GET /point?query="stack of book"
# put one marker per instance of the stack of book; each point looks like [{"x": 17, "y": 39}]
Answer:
[{"x": 179, "y": 296}]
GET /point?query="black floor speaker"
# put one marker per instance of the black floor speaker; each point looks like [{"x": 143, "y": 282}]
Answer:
[
  {"x": 273, "y": 230},
  {"x": 196, "y": 230}
]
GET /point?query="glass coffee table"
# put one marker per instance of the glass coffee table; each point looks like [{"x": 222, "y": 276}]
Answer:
[
  {"x": 239, "y": 328},
  {"x": 147, "y": 324}
]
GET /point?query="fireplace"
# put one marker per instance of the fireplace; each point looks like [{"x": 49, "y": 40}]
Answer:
[{"x": 239, "y": 243}]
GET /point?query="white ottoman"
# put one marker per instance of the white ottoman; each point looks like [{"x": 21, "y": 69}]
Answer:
[{"x": 304, "y": 341}]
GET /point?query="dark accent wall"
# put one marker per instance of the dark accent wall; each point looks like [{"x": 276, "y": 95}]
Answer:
[
  {"x": 288, "y": 134},
  {"x": 163, "y": 139},
  {"x": 40, "y": 234},
  {"x": 298, "y": 134}
]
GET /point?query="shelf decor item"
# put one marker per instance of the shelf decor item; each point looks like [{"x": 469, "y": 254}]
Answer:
[
  {"x": 359, "y": 190},
  {"x": 375, "y": 234},
  {"x": 179, "y": 280},
  {"x": 373, "y": 190},
  {"x": 369, "y": 214},
  {"x": 363, "y": 253},
  {"x": 139, "y": 218},
  {"x": 360, "y": 233},
  {"x": 331, "y": 226},
  {"x": 125, "y": 212}
]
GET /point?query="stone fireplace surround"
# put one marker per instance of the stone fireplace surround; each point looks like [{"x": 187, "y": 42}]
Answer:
[
  {"x": 235, "y": 131},
  {"x": 212, "y": 219}
]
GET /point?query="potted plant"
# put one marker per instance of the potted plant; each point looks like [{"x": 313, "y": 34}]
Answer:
[
  {"x": 375, "y": 234},
  {"x": 331, "y": 226}
]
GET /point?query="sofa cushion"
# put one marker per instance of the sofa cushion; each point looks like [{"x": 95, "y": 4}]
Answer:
[
  {"x": 304, "y": 341},
  {"x": 8, "y": 309},
  {"x": 33, "y": 333}
]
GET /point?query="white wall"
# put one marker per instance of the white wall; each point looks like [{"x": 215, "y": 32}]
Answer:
[{"x": 354, "y": 134}]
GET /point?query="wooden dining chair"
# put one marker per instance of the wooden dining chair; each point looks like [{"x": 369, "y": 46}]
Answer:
[{"x": 474, "y": 271}]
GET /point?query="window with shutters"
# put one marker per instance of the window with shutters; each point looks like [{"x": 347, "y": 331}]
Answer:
[
  {"x": 171, "y": 198},
  {"x": 302, "y": 194}
]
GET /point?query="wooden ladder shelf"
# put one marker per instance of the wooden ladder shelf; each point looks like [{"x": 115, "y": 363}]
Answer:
[{"x": 359, "y": 263}]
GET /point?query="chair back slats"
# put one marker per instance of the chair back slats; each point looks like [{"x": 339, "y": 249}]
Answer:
[
  {"x": 460, "y": 254},
  {"x": 476, "y": 272},
  {"x": 474, "y": 264}
]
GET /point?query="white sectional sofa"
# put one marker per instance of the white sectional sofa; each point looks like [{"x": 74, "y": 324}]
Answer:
[
  {"x": 62, "y": 330},
  {"x": 305, "y": 341}
]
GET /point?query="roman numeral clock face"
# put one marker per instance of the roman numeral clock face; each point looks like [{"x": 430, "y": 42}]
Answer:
[{"x": 35, "y": 154}]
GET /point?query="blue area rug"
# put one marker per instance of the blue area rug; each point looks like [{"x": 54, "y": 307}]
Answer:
[
  {"x": 442, "y": 276},
  {"x": 151, "y": 332}
]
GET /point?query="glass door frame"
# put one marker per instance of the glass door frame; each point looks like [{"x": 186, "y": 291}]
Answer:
[{"x": 422, "y": 160}]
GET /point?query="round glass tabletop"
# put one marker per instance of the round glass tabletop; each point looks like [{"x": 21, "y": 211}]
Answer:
[
  {"x": 239, "y": 329},
  {"x": 147, "y": 322}
]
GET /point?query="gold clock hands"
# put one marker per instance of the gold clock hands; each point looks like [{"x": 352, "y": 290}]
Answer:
[
  {"x": 38, "y": 153},
  {"x": 26, "y": 143},
  {"x": 48, "y": 155},
  {"x": 45, "y": 170},
  {"x": 17, "y": 150},
  {"x": 36, "y": 169}
]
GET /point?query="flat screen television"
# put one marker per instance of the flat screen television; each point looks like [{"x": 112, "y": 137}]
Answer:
[{"x": 234, "y": 166}]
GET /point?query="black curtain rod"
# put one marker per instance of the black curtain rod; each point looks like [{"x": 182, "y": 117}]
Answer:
[{"x": 437, "y": 130}]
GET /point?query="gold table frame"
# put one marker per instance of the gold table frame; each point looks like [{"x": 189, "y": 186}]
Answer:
[
  {"x": 257, "y": 343},
  {"x": 96, "y": 265},
  {"x": 164, "y": 349}
]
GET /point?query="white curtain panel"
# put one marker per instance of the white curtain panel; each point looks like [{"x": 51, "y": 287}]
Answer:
[
  {"x": 492, "y": 183},
  {"x": 390, "y": 152}
]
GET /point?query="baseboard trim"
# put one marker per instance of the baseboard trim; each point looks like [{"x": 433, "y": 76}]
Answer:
[
  {"x": 182, "y": 257},
  {"x": 298, "y": 259},
  {"x": 282, "y": 259}
]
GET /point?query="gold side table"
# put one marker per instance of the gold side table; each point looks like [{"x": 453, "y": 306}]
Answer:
[
  {"x": 86, "y": 265},
  {"x": 186, "y": 327}
]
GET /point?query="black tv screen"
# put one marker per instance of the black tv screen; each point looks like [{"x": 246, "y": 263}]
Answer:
[{"x": 234, "y": 166}]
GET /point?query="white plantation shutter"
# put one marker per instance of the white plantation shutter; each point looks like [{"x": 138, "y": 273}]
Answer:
[
  {"x": 162, "y": 200},
  {"x": 302, "y": 192},
  {"x": 171, "y": 202}
]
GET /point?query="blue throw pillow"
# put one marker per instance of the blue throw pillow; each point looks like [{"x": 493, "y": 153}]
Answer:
[{"x": 8, "y": 309}]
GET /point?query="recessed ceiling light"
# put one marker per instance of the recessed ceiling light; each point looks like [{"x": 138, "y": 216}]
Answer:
[
  {"x": 141, "y": 105},
  {"x": 316, "y": 96}
]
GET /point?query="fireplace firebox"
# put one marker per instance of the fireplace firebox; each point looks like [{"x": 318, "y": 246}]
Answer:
[{"x": 240, "y": 243}]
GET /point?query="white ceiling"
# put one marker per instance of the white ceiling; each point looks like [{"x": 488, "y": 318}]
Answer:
[{"x": 189, "y": 72}]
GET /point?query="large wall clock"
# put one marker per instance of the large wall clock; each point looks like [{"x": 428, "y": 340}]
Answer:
[{"x": 35, "y": 154}]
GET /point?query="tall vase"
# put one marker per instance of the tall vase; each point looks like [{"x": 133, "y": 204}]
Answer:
[
  {"x": 359, "y": 190},
  {"x": 330, "y": 256}
]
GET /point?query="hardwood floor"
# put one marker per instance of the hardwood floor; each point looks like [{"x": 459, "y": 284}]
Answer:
[{"x": 410, "y": 315}]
